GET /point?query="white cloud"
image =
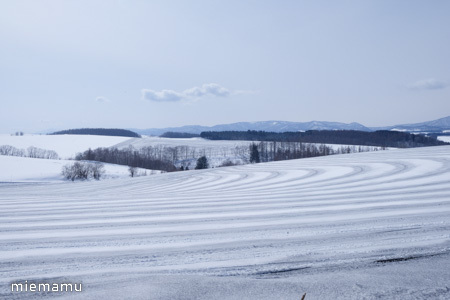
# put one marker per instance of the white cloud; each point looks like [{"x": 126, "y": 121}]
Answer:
[
  {"x": 162, "y": 96},
  {"x": 209, "y": 89},
  {"x": 102, "y": 99},
  {"x": 428, "y": 84}
]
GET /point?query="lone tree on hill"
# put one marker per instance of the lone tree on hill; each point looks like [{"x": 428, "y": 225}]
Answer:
[{"x": 202, "y": 163}]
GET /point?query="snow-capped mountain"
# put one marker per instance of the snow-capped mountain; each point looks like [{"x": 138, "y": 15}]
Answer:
[
  {"x": 272, "y": 126},
  {"x": 439, "y": 125}
]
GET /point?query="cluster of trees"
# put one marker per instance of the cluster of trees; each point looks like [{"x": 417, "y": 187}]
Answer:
[
  {"x": 161, "y": 157},
  {"x": 274, "y": 151},
  {"x": 164, "y": 158},
  {"x": 228, "y": 163},
  {"x": 147, "y": 157},
  {"x": 135, "y": 172},
  {"x": 179, "y": 135},
  {"x": 83, "y": 171},
  {"x": 155, "y": 158},
  {"x": 100, "y": 131},
  {"x": 31, "y": 151},
  {"x": 381, "y": 138}
]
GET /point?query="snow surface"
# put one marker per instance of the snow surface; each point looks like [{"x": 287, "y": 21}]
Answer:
[
  {"x": 444, "y": 138},
  {"x": 67, "y": 145},
  {"x": 25, "y": 169},
  {"x": 356, "y": 226},
  {"x": 173, "y": 142}
]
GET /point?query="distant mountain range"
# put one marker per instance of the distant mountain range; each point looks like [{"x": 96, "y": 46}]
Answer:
[{"x": 437, "y": 126}]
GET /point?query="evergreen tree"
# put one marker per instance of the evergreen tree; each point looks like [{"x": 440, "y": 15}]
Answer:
[
  {"x": 254, "y": 153},
  {"x": 202, "y": 163}
]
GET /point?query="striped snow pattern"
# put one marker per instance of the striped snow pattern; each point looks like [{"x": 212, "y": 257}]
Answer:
[{"x": 253, "y": 220}]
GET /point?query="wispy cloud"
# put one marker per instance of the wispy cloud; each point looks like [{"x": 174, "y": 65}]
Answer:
[
  {"x": 208, "y": 89},
  {"x": 101, "y": 99},
  {"x": 428, "y": 84}
]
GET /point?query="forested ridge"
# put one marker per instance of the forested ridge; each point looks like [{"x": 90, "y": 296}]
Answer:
[
  {"x": 381, "y": 138},
  {"x": 99, "y": 131},
  {"x": 178, "y": 135}
]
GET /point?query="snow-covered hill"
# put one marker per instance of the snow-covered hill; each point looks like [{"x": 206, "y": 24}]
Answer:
[
  {"x": 24, "y": 169},
  {"x": 357, "y": 226},
  {"x": 439, "y": 125},
  {"x": 66, "y": 146}
]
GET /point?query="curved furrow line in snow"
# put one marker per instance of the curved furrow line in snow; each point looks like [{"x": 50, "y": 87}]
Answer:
[
  {"x": 149, "y": 211},
  {"x": 198, "y": 202},
  {"x": 252, "y": 202},
  {"x": 202, "y": 223},
  {"x": 348, "y": 210},
  {"x": 136, "y": 221}
]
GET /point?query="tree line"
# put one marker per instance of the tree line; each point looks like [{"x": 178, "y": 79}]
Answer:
[
  {"x": 179, "y": 135},
  {"x": 166, "y": 158},
  {"x": 275, "y": 151},
  {"x": 31, "y": 151},
  {"x": 381, "y": 138},
  {"x": 147, "y": 157}
]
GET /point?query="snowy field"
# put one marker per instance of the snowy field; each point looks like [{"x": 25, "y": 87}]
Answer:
[
  {"x": 190, "y": 142},
  {"x": 67, "y": 146},
  {"x": 356, "y": 226},
  {"x": 24, "y": 169},
  {"x": 444, "y": 138}
]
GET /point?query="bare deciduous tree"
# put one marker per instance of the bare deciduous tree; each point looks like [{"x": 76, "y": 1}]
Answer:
[
  {"x": 133, "y": 171},
  {"x": 83, "y": 171}
]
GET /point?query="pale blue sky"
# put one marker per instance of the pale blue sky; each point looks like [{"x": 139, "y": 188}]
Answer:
[{"x": 143, "y": 64}]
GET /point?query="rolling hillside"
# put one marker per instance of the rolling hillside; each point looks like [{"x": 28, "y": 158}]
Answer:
[
  {"x": 356, "y": 226},
  {"x": 66, "y": 146}
]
